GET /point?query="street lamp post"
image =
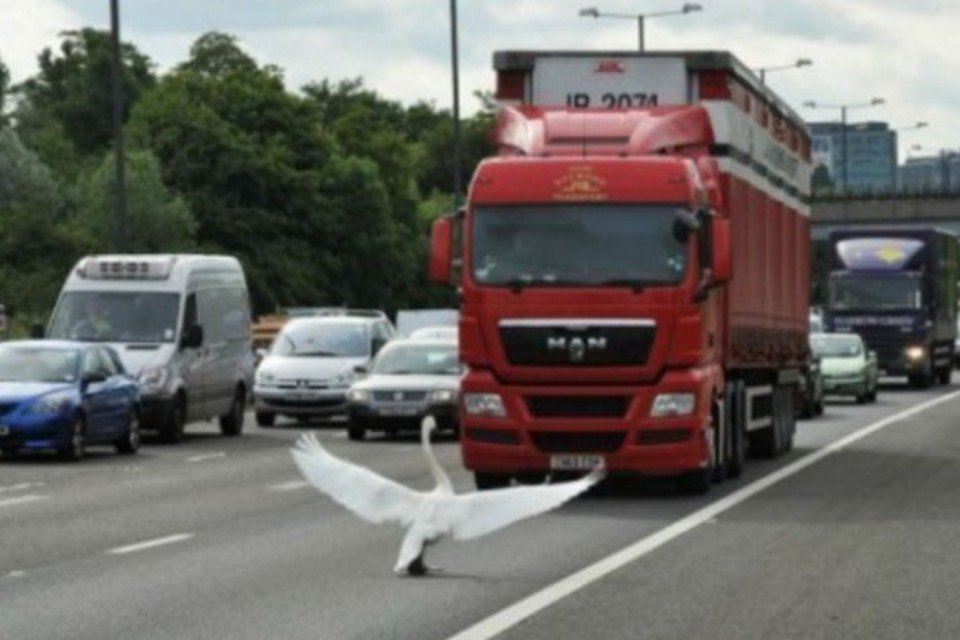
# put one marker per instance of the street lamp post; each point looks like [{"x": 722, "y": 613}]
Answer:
[
  {"x": 801, "y": 62},
  {"x": 593, "y": 12},
  {"x": 120, "y": 201},
  {"x": 455, "y": 64}
]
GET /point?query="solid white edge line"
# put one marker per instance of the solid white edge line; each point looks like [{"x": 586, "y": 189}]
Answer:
[
  {"x": 150, "y": 544},
  {"x": 548, "y": 596},
  {"x": 10, "y": 502}
]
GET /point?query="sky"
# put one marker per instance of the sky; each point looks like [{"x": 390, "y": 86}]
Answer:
[{"x": 899, "y": 50}]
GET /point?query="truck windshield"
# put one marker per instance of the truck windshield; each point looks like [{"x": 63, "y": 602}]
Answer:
[
  {"x": 579, "y": 245},
  {"x": 875, "y": 292},
  {"x": 111, "y": 316}
]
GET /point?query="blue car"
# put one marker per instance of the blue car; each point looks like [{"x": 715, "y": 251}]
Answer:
[{"x": 65, "y": 396}]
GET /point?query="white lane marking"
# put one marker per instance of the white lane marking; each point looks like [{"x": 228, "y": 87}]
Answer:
[
  {"x": 290, "y": 486},
  {"x": 23, "y": 486},
  {"x": 16, "y": 574},
  {"x": 208, "y": 456},
  {"x": 520, "y": 611},
  {"x": 150, "y": 544},
  {"x": 10, "y": 502}
]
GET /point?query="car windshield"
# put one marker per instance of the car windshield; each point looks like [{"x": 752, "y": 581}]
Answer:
[
  {"x": 100, "y": 316},
  {"x": 875, "y": 292},
  {"x": 38, "y": 364},
  {"x": 578, "y": 245},
  {"x": 836, "y": 346},
  {"x": 322, "y": 339},
  {"x": 423, "y": 359}
]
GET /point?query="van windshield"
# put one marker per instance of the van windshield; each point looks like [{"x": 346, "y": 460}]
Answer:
[{"x": 112, "y": 316}]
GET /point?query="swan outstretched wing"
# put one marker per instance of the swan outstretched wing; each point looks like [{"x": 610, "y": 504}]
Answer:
[
  {"x": 369, "y": 495},
  {"x": 476, "y": 514}
]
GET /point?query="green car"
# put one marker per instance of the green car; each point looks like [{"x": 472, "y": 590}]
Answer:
[{"x": 848, "y": 368}]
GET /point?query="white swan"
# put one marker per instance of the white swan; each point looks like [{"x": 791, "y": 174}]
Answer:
[{"x": 428, "y": 516}]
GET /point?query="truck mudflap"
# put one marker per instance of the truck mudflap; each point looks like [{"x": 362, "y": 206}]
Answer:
[{"x": 551, "y": 429}]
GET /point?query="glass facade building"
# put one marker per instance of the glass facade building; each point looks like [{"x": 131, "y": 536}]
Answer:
[{"x": 871, "y": 153}]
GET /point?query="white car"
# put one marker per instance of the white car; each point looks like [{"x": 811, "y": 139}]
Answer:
[
  {"x": 435, "y": 333},
  {"x": 311, "y": 364}
]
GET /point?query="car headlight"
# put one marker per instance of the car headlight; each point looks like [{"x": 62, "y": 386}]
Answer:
[
  {"x": 358, "y": 395},
  {"x": 265, "y": 378},
  {"x": 343, "y": 380},
  {"x": 154, "y": 378},
  {"x": 442, "y": 395},
  {"x": 52, "y": 403},
  {"x": 488, "y": 405},
  {"x": 915, "y": 353},
  {"x": 672, "y": 404}
]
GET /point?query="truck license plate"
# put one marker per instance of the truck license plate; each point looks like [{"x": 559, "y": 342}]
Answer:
[{"x": 576, "y": 462}]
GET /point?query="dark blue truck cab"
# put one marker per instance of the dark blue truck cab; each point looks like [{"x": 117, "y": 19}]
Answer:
[{"x": 897, "y": 288}]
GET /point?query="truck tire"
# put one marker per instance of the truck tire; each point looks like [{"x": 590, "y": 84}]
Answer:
[
  {"x": 720, "y": 421},
  {"x": 738, "y": 431},
  {"x": 695, "y": 483},
  {"x": 487, "y": 481}
]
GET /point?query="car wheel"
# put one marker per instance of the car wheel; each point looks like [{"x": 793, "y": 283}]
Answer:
[
  {"x": 76, "y": 446},
  {"x": 356, "y": 432},
  {"x": 171, "y": 431},
  {"x": 129, "y": 442},
  {"x": 231, "y": 424},
  {"x": 487, "y": 481},
  {"x": 265, "y": 419}
]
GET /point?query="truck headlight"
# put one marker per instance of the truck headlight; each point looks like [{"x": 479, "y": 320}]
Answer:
[
  {"x": 358, "y": 395},
  {"x": 915, "y": 353},
  {"x": 442, "y": 395},
  {"x": 488, "y": 405},
  {"x": 154, "y": 379},
  {"x": 672, "y": 404}
]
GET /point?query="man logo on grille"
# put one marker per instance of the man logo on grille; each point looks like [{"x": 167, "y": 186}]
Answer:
[{"x": 576, "y": 347}]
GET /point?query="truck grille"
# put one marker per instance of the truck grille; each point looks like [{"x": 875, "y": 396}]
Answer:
[
  {"x": 577, "y": 406},
  {"x": 577, "y": 342},
  {"x": 578, "y": 442}
]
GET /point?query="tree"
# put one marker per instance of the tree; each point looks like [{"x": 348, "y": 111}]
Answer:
[
  {"x": 157, "y": 222},
  {"x": 35, "y": 251},
  {"x": 74, "y": 88}
]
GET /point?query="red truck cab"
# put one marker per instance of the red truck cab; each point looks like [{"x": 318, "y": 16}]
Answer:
[{"x": 600, "y": 319}]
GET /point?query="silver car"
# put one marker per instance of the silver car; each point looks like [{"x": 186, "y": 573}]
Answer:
[
  {"x": 408, "y": 380},
  {"x": 311, "y": 362}
]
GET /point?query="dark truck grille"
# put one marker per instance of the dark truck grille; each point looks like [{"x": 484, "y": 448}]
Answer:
[
  {"x": 577, "y": 342},
  {"x": 578, "y": 442},
  {"x": 577, "y": 406}
]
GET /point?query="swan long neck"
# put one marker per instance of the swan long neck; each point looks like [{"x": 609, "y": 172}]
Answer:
[{"x": 438, "y": 473}]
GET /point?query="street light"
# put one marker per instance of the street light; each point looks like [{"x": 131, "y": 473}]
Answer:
[
  {"x": 801, "y": 62},
  {"x": 811, "y": 104},
  {"x": 115, "y": 76},
  {"x": 593, "y": 12},
  {"x": 455, "y": 71}
]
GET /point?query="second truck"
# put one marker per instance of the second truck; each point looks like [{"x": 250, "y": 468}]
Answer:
[{"x": 634, "y": 269}]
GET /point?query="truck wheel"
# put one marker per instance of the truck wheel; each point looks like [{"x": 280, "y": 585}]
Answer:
[
  {"x": 265, "y": 419},
  {"x": 171, "y": 430},
  {"x": 721, "y": 442},
  {"x": 944, "y": 375},
  {"x": 738, "y": 434},
  {"x": 486, "y": 481},
  {"x": 695, "y": 483},
  {"x": 231, "y": 424}
]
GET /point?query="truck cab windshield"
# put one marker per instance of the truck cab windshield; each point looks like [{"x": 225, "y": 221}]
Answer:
[
  {"x": 579, "y": 244},
  {"x": 871, "y": 293}
]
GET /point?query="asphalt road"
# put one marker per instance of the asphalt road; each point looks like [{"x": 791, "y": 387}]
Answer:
[{"x": 220, "y": 538}]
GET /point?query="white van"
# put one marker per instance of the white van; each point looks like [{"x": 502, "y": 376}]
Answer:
[{"x": 180, "y": 324}]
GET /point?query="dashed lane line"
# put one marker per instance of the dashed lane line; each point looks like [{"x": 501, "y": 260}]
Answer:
[
  {"x": 208, "y": 456},
  {"x": 12, "y": 502},
  {"x": 150, "y": 544}
]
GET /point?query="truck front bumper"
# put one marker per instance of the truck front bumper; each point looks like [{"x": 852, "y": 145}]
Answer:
[{"x": 629, "y": 444}]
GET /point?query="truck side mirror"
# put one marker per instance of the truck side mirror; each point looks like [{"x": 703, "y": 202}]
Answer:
[
  {"x": 722, "y": 266},
  {"x": 441, "y": 250}
]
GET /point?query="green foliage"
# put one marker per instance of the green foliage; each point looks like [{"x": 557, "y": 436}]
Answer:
[
  {"x": 74, "y": 88},
  {"x": 35, "y": 250},
  {"x": 156, "y": 222}
]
